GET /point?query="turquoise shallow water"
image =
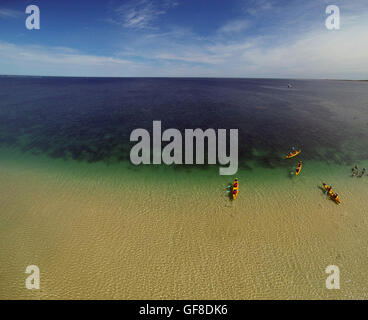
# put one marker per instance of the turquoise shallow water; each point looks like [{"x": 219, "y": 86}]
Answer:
[{"x": 188, "y": 179}]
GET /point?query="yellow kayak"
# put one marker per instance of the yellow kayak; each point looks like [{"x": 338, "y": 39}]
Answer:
[
  {"x": 333, "y": 196},
  {"x": 299, "y": 168},
  {"x": 235, "y": 188},
  {"x": 293, "y": 154}
]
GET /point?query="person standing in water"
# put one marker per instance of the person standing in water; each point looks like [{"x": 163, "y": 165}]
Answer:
[
  {"x": 362, "y": 173},
  {"x": 354, "y": 171}
]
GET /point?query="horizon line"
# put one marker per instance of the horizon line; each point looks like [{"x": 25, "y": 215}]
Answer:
[{"x": 173, "y": 77}]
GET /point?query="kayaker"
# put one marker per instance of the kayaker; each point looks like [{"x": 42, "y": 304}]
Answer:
[
  {"x": 362, "y": 173},
  {"x": 329, "y": 190}
]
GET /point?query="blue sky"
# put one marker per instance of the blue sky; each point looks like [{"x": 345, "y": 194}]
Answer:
[{"x": 191, "y": 38}]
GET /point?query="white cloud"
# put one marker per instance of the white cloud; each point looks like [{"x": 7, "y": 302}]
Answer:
[
  {"x": 234, "y": 26},
  {"x": 55, "y": 55},
  {"x": 142, "y": 14},
  {"x": 194, "y": 57},
  {"x": 257, "y": 7},
  {"x": 42, "y": 60},
  {"x": 8, "y": 13},
  {"x": 317, "y": 53}
]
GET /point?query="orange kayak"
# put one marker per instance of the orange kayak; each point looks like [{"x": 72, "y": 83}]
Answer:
[
  {"x": 235, "y": 188},
  {"x": 293, "y": 154},
  {"x": 299, "y": 168}
]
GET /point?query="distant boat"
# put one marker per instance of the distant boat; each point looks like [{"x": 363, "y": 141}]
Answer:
[{"x": 290, "y": 85}]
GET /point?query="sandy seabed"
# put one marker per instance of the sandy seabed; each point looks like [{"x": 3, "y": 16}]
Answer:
[{"x": 107, "y": 232}]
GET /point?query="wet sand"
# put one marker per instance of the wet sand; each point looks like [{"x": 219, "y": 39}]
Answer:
[{"x": 110, "y": 232}]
